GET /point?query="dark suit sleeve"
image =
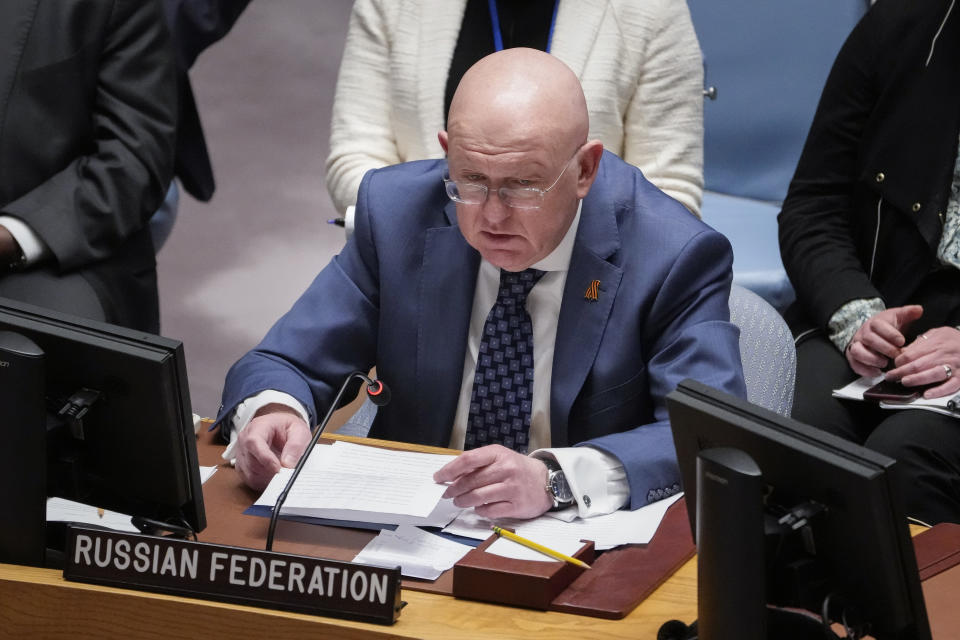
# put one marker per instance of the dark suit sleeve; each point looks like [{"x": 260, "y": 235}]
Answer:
[
  {"x": 197, "y": 24},
  {"x": 94, "y": 203},
  {"x": 816, "y": 222}
]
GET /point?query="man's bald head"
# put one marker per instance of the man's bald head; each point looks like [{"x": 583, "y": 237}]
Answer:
[
  {"x": 520, "y": 95},
  {"x": 516, "y": 142}
]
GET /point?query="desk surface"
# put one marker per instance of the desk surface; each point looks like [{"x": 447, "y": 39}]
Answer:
[{"x": 39, "y": 603}]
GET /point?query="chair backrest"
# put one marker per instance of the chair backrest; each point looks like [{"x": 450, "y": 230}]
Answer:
[
  {"x": 766, "y": 349},
  {"x": 360, "y": 422},
  {"x": 768, "y": 60}
]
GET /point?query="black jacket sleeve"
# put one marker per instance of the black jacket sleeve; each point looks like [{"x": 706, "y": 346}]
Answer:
[
  {"x": 109, "y": 113},
  {"x": 816, "y": 223}
]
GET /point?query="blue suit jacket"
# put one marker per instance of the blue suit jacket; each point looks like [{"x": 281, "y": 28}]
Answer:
[{"x": 400, "y": 296}]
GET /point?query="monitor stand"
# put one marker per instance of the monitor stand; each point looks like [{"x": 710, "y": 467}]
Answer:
[
  {"x": 23, "y": 453},
  {"x": 731, "y": 562},
  {"x": 731, "y": 584}
]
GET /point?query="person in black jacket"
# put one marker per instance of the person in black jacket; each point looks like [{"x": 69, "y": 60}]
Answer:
[
  {"x": 87, "y": 129},
  {"x": 870, "y": 237},
  {"x": 194, "y": 26}
]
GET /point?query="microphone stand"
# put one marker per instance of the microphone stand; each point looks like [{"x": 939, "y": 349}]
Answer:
[{"x": 378, "y": 392}]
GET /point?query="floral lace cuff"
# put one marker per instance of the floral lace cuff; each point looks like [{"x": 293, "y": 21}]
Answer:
[{"x": 847, "y": 319}]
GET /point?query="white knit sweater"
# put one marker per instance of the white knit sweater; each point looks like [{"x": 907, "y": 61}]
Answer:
[{"x": 638, "y": 61}]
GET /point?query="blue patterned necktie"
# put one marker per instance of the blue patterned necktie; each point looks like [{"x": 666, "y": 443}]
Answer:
[{"x": 503, "y": 383}]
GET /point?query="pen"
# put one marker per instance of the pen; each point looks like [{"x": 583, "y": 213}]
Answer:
[
  {"x": 953, "y": 404},
  {"x": 340, "y": 222},
  {"x": 530, "y": 544}
]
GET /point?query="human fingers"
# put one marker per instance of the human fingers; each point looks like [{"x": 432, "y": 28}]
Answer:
[
  {"x": 467, "y": 462},
  {"x": 468, "y": 482},
  {"x": 927, "y": 371},
  {"x": 863, "y": 360},
  {"x": 941, "y": 343},
  {"x": 519, "y": 485},
  {"x": 507, "y": 465},
  {"x": 257, "y": 463},
  {"x": 949, "y": 387},
  {"x": 881, "y": 337},
  {"x": 297, "y": 439},
  {"x": 257, "y": 458},
  {"x": 904, "y": 316}
]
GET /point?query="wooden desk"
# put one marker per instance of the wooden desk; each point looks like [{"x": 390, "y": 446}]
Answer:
[{"x": 39, "y": 603}]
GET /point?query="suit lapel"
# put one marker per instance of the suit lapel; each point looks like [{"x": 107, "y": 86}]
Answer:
[
  {"x": 448, "y": 278},
  {"x": 583, "y": 319}
]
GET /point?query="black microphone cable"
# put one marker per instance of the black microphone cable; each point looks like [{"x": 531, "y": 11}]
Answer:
[{"x": 379, "y": 394}]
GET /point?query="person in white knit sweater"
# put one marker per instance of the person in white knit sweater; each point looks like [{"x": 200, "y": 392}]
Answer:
[{"x": 639, "y": 64}]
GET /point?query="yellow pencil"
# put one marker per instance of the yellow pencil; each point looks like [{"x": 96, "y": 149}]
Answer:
[{"x": 510, "y": 535}]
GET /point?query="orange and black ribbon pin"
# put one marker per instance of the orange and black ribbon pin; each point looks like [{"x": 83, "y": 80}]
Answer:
[{"x": 592, "y": 291}]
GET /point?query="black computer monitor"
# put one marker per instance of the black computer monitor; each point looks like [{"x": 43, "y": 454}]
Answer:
[
  {"x": 796, "y": 510},
  {"x": 123, "y": 439}
]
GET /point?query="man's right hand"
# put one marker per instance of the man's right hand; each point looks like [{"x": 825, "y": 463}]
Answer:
[
  {"x": 277, "y": 436},
  {"x": 879, "y": 339}
]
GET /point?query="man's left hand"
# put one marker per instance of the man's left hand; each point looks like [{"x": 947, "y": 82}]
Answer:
[
  {"x": 933, "y": 357},
  {"x": 498, "y": 482}
]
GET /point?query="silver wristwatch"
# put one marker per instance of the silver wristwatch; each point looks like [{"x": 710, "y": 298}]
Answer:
[{"x": 557, "y": 487}]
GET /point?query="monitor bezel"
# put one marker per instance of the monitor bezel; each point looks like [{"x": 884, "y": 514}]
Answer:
[
  {"x": 163, "y": 359},
  {"x": 702, "y": 417}
]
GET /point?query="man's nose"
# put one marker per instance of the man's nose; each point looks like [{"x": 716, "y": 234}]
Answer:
[{"x": 494, "y": 208}]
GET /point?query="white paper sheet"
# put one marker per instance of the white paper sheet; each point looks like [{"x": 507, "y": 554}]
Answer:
[
  {"x": 418, "y": 554},
  {"x": 346, "y": 481},
  {"x": 606, "y": 532},
  {"x": 510, "y": 549},
  {"x": 60, "y": 510},
  {"x": 206, "y": 473}
]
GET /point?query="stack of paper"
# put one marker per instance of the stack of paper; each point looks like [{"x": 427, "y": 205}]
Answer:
[{"x": 351, "y": 482}]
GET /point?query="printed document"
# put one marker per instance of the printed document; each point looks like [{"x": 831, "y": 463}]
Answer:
[
  {"x": 418, "y": 554},
  {"x": 347, "y": 481}
]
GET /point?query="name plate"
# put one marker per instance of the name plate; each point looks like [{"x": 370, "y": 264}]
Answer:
[{"x": 233, "y": 574}]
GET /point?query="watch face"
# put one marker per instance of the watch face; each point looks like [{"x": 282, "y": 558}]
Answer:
[{"x": 559, "y": 487}]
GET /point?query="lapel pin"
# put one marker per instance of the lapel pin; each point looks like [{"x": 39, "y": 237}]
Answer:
[{"x": 592, "y": 291}]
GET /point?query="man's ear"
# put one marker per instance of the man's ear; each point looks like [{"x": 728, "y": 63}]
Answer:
[
  {"x": 588, "y": 165},
  {"x": 442, "y": 137}
]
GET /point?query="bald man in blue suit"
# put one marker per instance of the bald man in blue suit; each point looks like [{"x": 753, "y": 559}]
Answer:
[{"x": 634, "y": 299}]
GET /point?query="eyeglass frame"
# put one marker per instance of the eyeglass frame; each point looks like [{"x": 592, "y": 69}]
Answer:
[{"x": 450, "y": 185}]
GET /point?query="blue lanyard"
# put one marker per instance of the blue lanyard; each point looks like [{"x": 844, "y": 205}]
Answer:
[{"x": 498, "y": 37}]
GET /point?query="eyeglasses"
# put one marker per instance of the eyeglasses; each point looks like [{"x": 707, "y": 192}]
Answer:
[{"x": 514, "y": 197}]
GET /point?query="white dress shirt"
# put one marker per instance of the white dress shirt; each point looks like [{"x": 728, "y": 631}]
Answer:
[
  {"x": 30, "y": 243},
  {"x": 597, "y": 479}
]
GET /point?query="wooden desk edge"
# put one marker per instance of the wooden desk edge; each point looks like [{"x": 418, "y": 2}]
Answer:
[{"x": 40, "y": 603}]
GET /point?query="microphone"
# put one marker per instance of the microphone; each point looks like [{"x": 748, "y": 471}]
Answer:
[{"x": 379, "y": 394}]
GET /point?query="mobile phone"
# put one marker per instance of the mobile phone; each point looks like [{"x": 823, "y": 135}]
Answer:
[{"x": 893, "y": 391}]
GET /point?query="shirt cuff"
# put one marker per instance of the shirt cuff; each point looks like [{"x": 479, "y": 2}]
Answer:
[
  {"x": 245, "y": 411},
  {"x": 846, "y": 320},
  {"x": 33, "y": 248},
  {"x": 597, "y": 480}
]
